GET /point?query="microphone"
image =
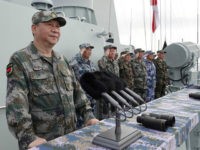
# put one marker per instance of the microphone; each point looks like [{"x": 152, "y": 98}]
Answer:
[{"x": 96, "y": 88}]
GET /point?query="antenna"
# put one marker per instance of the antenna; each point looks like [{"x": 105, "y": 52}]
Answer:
[
  {"x": 197, "y": 21},
  {"x": 144, "y": 18},
  {"x": 130, "y": 28},
  {"x": 109, "y": 16}
]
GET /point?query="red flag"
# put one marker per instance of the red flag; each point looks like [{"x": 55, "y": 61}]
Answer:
[{"x": 155, "y": 19}]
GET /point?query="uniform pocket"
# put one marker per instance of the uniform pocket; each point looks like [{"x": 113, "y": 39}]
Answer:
[{"x": 42, "y": 83}]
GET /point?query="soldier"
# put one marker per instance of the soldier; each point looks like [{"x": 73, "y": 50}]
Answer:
[
  {"x": 140, "y": 74},
  {"x": 43, "y": 94},
  {"x": 161, "y": 74},
  {"x": 81, "y": 64},
  {"x": 108, "y": 62},
  {"x": 125, "y": 69},
  {"x": 151, "y": 75}
]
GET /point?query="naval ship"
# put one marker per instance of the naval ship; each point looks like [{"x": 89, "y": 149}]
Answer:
[{"x": 87, "y": 21}]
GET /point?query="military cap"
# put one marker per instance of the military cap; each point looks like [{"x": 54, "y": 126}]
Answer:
[
  {"x": 161, "y": 51},
  {"x": 149, "y": 52},
  {"x": 44, "y": 16},
  {"x": 124, "y": 53},
  {"x": 138, "y": 50},
  {"x": 109, "y": 47},
  {"x": 86, "y": 45}
]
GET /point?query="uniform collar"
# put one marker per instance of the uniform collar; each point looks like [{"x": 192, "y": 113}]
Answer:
[{"x": 35, "y": 55}]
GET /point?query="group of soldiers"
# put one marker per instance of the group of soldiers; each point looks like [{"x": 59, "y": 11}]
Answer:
[{"x": 140, "y": 70}]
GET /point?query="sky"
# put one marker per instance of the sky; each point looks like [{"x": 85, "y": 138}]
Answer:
[{"x": 178, "y": 22}]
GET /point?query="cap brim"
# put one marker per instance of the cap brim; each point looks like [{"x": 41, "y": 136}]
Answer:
[
  {"x": 62, "y": 21},
  {"x": 114, "y": 47},
  {"x": 90, "y": 47}
]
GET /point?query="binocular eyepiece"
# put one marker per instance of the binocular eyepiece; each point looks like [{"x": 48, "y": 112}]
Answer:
[{"x": 156, "y": 121}]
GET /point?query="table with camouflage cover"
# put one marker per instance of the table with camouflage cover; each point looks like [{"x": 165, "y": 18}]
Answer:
[{"x": 186, "y": 111}]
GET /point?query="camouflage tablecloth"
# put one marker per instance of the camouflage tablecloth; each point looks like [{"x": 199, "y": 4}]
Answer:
[{"x": 186, "y": 111}]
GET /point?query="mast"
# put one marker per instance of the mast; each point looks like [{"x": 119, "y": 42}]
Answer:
[{"x": 130, "y": 28}]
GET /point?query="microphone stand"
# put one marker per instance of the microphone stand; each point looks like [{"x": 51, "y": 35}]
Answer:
[{"x": 118, "y": 137}]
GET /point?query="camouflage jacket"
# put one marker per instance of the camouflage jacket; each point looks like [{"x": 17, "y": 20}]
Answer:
[
  {"x": 140, "y": 74},
  {"x": 151, "y": 73},
  {"x": 161, "y": 71},
  {"x": 126, "y": 72},
  {"x": 81, "y": 66},
  {"x": 42, "y": 97},
  {"x": 108, "y": 65}
]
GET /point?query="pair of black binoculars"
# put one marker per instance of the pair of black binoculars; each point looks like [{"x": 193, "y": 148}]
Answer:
[{"x": 156, "y": 121}]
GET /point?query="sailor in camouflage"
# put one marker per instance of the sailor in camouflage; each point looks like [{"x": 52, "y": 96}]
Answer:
[
  {"x": 161, "y": 74},
  {"x": 125, "y": 69},
  {"x": 108, "y": 62},
  {"x": 140, "y": 74},
  {"x": 81, "y": 64},
  {"x": 43, "y": 94},
  {"x": 151, "y": 75}
]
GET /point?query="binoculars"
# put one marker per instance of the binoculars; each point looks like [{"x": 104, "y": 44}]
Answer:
[{"x": 156, "y": 121}]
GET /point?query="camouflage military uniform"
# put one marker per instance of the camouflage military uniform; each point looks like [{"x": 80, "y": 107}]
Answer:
[
  {"x": 151, "y": 79},
  {"x": 126, "y": 73},
  {"x": 161, "y": 77},
  {"x": 81, "y": 66},
  {"x": 110, "y": 66},
  {"x": 42, "y": 97},
  {"x": 140, "y": 77}
]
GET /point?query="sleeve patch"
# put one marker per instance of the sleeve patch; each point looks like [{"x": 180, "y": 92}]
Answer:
[{"x": 9, "y": 69}]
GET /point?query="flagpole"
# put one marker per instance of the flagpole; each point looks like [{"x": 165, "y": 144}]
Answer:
[
  {"x": 197, "y": 21},
  {"x": 197, "y": 31},
  {"x": 131, "y": 28},
  {"x": 170, "y": 21},
  {"x": 144, "y": 18},
  {"x": 160, "y": 24}
]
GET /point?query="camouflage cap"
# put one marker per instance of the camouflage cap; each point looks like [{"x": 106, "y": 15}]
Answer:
[
  {"x": 149, "y": 52},
  {"x": 124, "y": 53},
  {"x": 109, "y": 47},
  {"x": 138, "y": 50},
  {"x": 86, "y": 45},
  {"x": 44, "y": 16},
  {"x": 161, "y": 51}
]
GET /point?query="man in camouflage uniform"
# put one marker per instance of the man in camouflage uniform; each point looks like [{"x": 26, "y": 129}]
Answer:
[
  {"x": 81, "y": 64},
  {"x": 125, "y": 69},
  {"x": 151, "y": 75},
  {"x": 161, "y": 74},
  {"x": 107, "y": 63},
  {"x": 140, "y": 74},
  {"x": 43, "y": 94}
]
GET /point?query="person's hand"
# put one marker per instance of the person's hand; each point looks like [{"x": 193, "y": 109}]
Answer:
[
  {"x": 37, "y": 142},
  {"x": 92, "y": 122}
]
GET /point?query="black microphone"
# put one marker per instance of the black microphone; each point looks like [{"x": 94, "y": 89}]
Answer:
[{"x": 96, "y": 88}]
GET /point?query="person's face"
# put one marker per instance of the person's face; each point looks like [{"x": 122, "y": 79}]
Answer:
[
  {"x": 127, "y": 58},
  {"x": 86, "y": 53},
  {"x": 47, "y": 32},
  {"x": 112, "y": 53},
  {"x": 141, "y": 54},
  {"x": 161, "y": 55},
  {"x": 150, "y": 57}
]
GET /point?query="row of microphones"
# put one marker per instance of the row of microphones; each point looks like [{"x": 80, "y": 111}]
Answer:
[
  {"x": 127, "y": 103},
  {"x": 111, "y": 88},
  {"x": 156, "y": 121}
]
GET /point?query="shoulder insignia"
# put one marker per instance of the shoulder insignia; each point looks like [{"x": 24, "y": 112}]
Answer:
[{"x": 9, "y": 69}]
